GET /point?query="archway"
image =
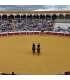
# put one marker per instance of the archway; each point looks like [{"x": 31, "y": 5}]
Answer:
[
  {"x": 61, "y": 16},
  {"x": 42, "y": 16},
  {"x": 48, "y": 17},
  {"x": 54, "y": 16},
  {"x": 67, "y": 16},
  {"x": 23, "y": 17},
  {"x": 4, "y": 17}
]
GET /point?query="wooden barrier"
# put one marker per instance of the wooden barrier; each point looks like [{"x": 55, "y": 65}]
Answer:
[
  {"x": 16, "y": 33},
  {"x": 5, "y": 34},
  {"x": 0, "y": 34},
  {"x": 10, "y": 34},
  {"x": 23, "y": 33},
  {"x": 36, "y": 32},
  {"x": 61, "y": 34},
  {"x": 67, "y": 34},
  {"x": 67, "y": 73},
  {"x": 48, "y": 33},
  {"x": 54, "y": 33},
  {"x": 31, "y": 33}
]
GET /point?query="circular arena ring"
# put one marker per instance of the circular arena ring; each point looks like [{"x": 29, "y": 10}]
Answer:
[{"x": 16, "y": 53}]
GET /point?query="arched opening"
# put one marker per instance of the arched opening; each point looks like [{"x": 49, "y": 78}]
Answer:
[
  {"x": 35, "y": 16},
  {"x": 42, "y": 16},
  {"x": 48, "y": 17},
  {"x": 54, "y": 16},
  {"x": 23, "y": 17},
  {"x": 17, "y": 18},
  {"x": 29, "y": 16},
  {"x": 67, "y": 16},
  {"x": 61, "y": 16},
  {"x": 11, "y": 17},
  {"x": 4, "y": 17}
]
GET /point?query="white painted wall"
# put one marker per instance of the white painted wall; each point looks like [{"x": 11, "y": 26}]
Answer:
[{"x": 62, "y": 25}]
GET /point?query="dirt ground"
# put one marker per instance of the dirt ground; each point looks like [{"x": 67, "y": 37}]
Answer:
[{"x": 16, "y": 54}]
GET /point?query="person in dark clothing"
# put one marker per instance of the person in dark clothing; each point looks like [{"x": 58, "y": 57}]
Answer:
[
  {"x": 33, "y": 48},
  {"x": 13, "y": 73},
  {"x": 38, "y": 49},
  {"x": 42, "y": 32}
]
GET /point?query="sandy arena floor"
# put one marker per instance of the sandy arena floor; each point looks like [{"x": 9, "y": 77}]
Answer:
[{"x": 16, "y": 54}]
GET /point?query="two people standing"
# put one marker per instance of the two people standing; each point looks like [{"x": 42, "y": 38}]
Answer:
[{"x": 34, "y": 48}]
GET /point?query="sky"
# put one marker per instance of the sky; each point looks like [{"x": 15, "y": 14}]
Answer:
[{"x": 34, "y": 7}]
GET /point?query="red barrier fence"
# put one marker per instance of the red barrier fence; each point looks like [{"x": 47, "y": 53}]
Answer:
[{"x": 32, "y": 33}]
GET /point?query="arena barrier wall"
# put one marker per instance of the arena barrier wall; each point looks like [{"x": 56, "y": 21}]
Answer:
[{"x": 33, "y": 33}]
